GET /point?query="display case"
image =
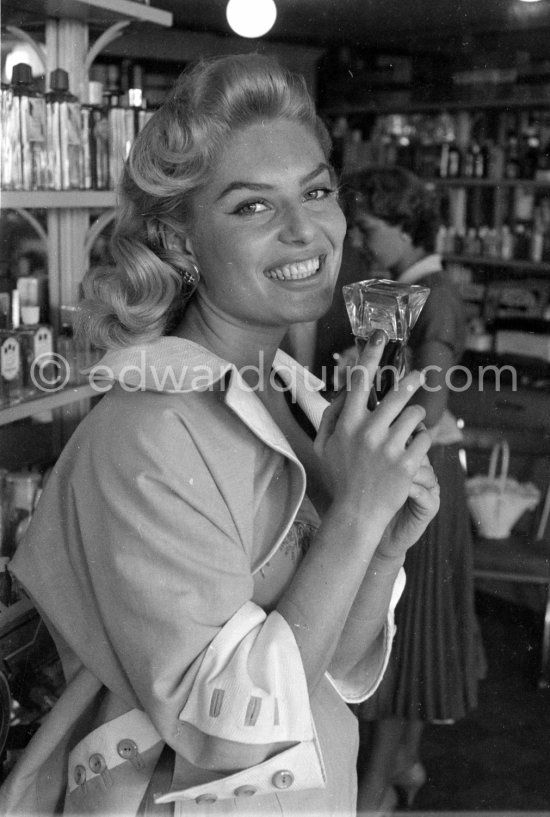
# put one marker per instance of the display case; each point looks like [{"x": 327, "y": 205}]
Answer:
[{"x": 68, "y": 235}]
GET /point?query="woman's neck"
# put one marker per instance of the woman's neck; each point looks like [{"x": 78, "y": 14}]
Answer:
[{"x": 250, "y": 348}]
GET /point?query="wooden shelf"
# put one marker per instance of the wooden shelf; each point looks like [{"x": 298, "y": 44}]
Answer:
[
  {"x": 57, "y": 199},
  {"x": 349, "y": 109},
  {"x": 19, "y": 411},
  {"x": 98, "y": 12},
  {"x": 486, "y": 261},
  {"x": 464, "y": 181}
]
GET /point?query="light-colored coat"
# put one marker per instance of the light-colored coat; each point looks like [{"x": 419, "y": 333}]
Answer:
[{"x": 158, "y": 530}]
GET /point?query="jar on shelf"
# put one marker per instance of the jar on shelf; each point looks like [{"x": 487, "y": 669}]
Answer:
[
  {"x": 22, "y": 493},
  {"x": 11, "y": 368}
]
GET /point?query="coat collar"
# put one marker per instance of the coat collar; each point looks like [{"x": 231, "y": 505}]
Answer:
[{"x": 176, "y": 365}]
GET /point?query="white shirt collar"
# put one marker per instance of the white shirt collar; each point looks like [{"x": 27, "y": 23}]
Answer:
[{"x": 431, "y": 263}]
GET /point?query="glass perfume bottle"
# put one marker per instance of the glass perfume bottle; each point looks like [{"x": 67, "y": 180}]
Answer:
[{"x": 392, "y": 307}]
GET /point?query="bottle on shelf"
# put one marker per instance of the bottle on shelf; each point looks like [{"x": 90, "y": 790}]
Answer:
[
  {"x": 64, "y": 134},
  {"x": 522, "y": 242},
  {"x": 66, "y": 349},
  {"x": 39, "y": 369},
  {"x": 136, "y": 97},
  {"x": 511, "y": 156},
  {"x": 112, "y": 91},
  {"x": 95, "y": 140},
  {"x": 530, "y": 152},
  {"x": 22, "y": 494},
  {"x": 30, "y": 110},
  {"x": 494, "y": 159},
  {"x": 506, "y": 243},
  {"x": 10, "y": 143},
  {"x": 454, "y": 161},
  {"x": 469, "y": 168},
  {"x": 11, "y": 361}
]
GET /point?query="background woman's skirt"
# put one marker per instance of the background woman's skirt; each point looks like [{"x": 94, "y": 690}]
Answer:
[{"x": 437, "y": 657}]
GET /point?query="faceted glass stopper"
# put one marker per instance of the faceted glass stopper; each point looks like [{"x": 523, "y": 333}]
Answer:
[
  {"x": 394, "y": 308},
  {"x": 382, "y": 304}
]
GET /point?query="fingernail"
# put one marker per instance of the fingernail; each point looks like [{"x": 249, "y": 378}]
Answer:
[{"x": 377, "y": 338}]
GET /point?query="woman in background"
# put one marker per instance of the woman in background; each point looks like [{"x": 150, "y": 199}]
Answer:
[{"x": 433, "y": 672}]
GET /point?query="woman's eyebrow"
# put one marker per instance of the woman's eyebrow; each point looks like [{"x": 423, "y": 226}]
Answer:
[{"x": 247, "y": 185}]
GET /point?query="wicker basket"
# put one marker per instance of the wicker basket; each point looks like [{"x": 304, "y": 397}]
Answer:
[{"x": 497, "y": 502}]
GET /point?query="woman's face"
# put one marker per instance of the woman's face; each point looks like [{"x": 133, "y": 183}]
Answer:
[
  {"x": 383, "y": 240},
  {"x": 267, "y": 228}
]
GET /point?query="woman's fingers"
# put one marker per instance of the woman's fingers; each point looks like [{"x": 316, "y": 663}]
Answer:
[
  {"x": 361, "y": 378},
  {"x": 329, "y": 420},
  {"x": 426, "y": 475}
]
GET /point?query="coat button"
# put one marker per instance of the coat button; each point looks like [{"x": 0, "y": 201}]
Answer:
[
  {"x": 206, "y": 798},
  {"x": 283, "y": 779},
  {"x": 97, "y": 763},
  {"x": 245, "y": 791},
  {"x": 127, "y": 749},
  {"x": 79, "y": 774}
]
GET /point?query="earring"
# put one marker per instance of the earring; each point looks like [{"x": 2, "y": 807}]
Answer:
[{"x": 190, "y": 278}]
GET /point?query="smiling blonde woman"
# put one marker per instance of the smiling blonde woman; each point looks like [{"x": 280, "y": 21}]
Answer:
[{"x": 219, "y": 583}]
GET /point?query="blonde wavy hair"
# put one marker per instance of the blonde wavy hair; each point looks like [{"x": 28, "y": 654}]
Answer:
[{"x": 143, "y": 294}]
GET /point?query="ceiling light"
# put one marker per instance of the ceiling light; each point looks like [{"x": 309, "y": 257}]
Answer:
[
  {"x": 530, "y": 1},
  {"x": 251, "y": 18}
]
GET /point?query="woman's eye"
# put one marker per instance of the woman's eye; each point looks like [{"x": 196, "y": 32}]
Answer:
[
  {"x": 250, "y": 208},
  {"x": 319, "y": 193}
]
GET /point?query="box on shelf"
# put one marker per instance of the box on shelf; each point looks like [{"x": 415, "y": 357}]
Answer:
[{"x": 523, "y": 343}]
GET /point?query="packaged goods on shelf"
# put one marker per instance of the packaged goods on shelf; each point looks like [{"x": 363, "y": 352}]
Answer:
[
  {"x": 11, "y": 368},
  {"x": 54, "y": 142},
  {"x": 40, "y": 371},
  {"x": 124, "y": 124},
  {"x": 33, "y": 292}
]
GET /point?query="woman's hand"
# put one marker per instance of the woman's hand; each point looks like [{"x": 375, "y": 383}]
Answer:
[
  {"x": 412, "y": 519},
  {"x": 373, "y": 459}
]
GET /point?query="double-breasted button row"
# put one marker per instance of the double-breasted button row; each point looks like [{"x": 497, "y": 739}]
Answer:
[
  {"x": 127, "y": 749},
  {"x": 283, "y": 779}
]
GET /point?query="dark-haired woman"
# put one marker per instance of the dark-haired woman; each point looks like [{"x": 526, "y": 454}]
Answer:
[{"x": 433, "y": 669}]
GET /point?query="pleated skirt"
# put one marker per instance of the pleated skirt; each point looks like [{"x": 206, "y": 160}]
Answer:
[{"x": 437, "y": 656}]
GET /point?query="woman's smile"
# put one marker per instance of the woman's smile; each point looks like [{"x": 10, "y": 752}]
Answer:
[{"x": 296, "y": 271}]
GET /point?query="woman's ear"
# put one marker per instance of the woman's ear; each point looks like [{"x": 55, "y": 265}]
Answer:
[
  {"x": 181, "y": 244},
  {"x": 186, "y": 249}
]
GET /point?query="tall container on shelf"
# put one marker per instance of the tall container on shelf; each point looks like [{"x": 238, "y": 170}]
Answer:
[
  {"x": 29, "y": 123},
  {"x": 95, "y": 140},
  {"x": 64, "y": 134},
  {"x": 9, "y": 148}
]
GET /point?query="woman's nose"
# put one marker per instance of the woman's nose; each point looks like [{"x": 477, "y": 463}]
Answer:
[{"x": 297, "y": 226}]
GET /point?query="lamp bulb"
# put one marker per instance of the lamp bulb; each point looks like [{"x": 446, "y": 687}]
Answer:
[{"x": 251, "y": 18}]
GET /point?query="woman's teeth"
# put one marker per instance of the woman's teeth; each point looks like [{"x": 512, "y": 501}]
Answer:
[{"x": 292, "y": 272}]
